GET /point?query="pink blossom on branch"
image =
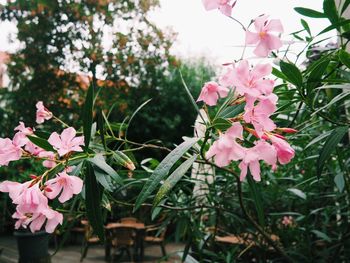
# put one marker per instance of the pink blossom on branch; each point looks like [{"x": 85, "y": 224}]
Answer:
[
  {"x": 42, "y": 113},
  {"x": 20, "y": 138},
  {"x": 259, "y": 115},
  {"x": 66, "y": 142},
  {"x": 285, "y": 152},
  {"x": 226, "y": 149},
  {"x": 211, "y": 92},
  {"x": 263, "y": 37},
  {"x": 225, "y": 6},
  {"x": 50, "y": 158},
  {"x": 64, "y": 184},
  {"x": 252, "y": 81},
  {"x": 9, "y": 151},
  {"x": 261, "y": 151}
]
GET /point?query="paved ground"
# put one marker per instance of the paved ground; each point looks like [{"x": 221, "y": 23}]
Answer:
[{"x": 71, "y": 253}]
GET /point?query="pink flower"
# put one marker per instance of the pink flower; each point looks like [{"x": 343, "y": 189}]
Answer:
[
  {"x": 210, "y": 93},
  {"x": 226, "y": 149},
  {"x": 20, "y": 139},
  {"x": 262, "y": 37},
  {"x": 223, "y": 5},
  {"x": 13, "y": 188},
  {"x": 226, "y": 80},
  {"x": 42, "y": 113},
  {"x": 9, "y": 151},
  {"x": 259, "y": 115},
  {"x": 66, "y": 142},
  {"x": 37, "y": 220},
  {"x": 285, "y": 152},
  {"x": 287, "y": 221},
  {"x": 66, "y": 185},
  {"x": 251, "y": 81},
  {"x": 33, "y": 149},
  {"x": 51, "y": 156},
  {"x": 31, "y": 199},
  {"x": 261, "y": 151}
]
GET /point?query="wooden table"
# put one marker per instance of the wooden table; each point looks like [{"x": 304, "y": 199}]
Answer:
[{"x": 140, "y": 230}]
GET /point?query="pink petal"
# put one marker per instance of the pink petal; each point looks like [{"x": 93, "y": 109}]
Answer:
[
  {"x": 254, "y": 168},
  {"x": 273, "y": 42},
  {"x": 251, "y": 38},
  {"x": 275, "y": 25},
  {"x": 261, "y": 70},
  {"x": 55, "y": 140},
  {"x": 262, "y": 49},
  {"x": 243, "y": 166},
  {"x": 226, "y": 9},
  {"x": 210, "y": 4},
  {"x": 76, "y": 184},
  {"x": 68, "y": 134},
  {"x": 259, "y": 23}
]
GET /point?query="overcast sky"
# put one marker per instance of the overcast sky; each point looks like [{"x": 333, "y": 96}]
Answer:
[{"x": 211, "y": 34}]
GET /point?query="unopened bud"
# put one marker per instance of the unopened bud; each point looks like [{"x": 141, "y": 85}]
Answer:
[
  {"x": 123, "y": 160},
  {"x": 32, "y": 176},
  {"x": 287, "y": 130}
]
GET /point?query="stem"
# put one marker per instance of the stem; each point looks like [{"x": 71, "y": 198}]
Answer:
[{"x": 60, "y": 121}]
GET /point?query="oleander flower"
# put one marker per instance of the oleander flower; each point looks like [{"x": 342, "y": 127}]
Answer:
[
  {"x": 66, "y": 142},
  {"x": 225, "y": 6},
  {"x": 211, "y": 92},
  {"x": 264, "y": 39},
  {"x": 65, "y": 185},
  {"x": 42, "y": 113},
  {"x": 9, "y": 151}
]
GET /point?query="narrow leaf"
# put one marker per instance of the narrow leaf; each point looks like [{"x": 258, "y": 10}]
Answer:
[
  {"x": 332, "y": 141},
  {"x": 292, "y": 73},
  {"x": 100, "y": 162},
  {"x": 309, "y": 12},
  {"x": 344, "y": 58},
  {"x": 339, "y": 182},
  {"x": 257, "y": 196},
  {"x": 163, "y": 169},
  {"x": 93, "y": 201},
  {"x": 42, "y": 143},
  {"x": 134, "y": 114},
  {"x": 173, "y": 179},
  {"x": 297, "y": 192},
  {"x": 306, "y": 26},
  {"x": 87, "y": 115}
]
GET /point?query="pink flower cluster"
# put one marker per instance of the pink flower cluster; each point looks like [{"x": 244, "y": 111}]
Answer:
[
  {"x": 32, "y": 197},
  {"x": 251, "y": 85}
]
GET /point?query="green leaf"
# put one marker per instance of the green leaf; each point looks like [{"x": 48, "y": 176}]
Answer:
[
  {"x": 332, "y": 141},
  {"x": 104, "y": 180},
  {"x": 173, "y": 179},
  {"x": 163, "y": 169},
  {"x": 309, "y": 12},
  {"x": 87, "y": 115},
  {"x": 345, "y": 6},
  {"x": 330, "y": 10},
  {"x": 101, "y": 128},
  {"x": 292, "y": 73},
  {"x": 123, "y": 160},
  {"x": 344, "y": 58},
  {"x": 334, "y": 26},
  {"x": 339, "y": 182},
  {"x": 257, "y": 196},
  {"x": 306, "y": 26},
  {"x": 321, "y": 235},
  {"x": 42, "y": 143},
  {"x": 297, "y": 192},
  {"x": 316, "y": 74},
  {"x": 232, "y": 111},
  {"x": 221, "y": 124},
  {"x": 100, "y": 162},
  {"x": 93, "y": 199}
]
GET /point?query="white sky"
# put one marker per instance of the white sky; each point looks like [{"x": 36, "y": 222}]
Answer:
[{"x": 211, "y": 34}]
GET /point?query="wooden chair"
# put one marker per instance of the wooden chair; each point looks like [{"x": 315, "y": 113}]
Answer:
[
  {"x": 89, "y": 239},
  {"x": 129, "y": 220},
  {"x": 123, "y": 239},
  {"x": 155, "y": 235}
]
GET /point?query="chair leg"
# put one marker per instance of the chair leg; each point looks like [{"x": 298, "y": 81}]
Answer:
[{"x": 162, "y": 245}]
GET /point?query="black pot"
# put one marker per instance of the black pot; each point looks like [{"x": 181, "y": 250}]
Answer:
[{"x": 33, "y": 247}]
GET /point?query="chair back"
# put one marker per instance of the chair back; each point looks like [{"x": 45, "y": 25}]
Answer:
[
  {"x": 129, "y": 220},
  {"x": 123, "y": 236}
]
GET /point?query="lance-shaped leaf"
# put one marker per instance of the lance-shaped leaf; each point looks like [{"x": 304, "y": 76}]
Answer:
[
  {"x": 87, "y": 115},
  {"x": 173, "y": 179},
  {"x": 100, "y": 162},
  {"x": 42, "y": 143},
  {"x": 93, "y": 199},
  {"x": 309, "y": 12},
  {"x": 292, "y": 73},
  {"x": 332, "y": 141},
  {"x": 163, "y": 169}
]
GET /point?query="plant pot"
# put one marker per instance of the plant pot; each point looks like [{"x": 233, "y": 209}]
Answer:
[{"x": 33, "y": 247}]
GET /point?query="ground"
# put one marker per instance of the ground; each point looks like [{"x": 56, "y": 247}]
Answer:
[{"x": 71, "y": 253}]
